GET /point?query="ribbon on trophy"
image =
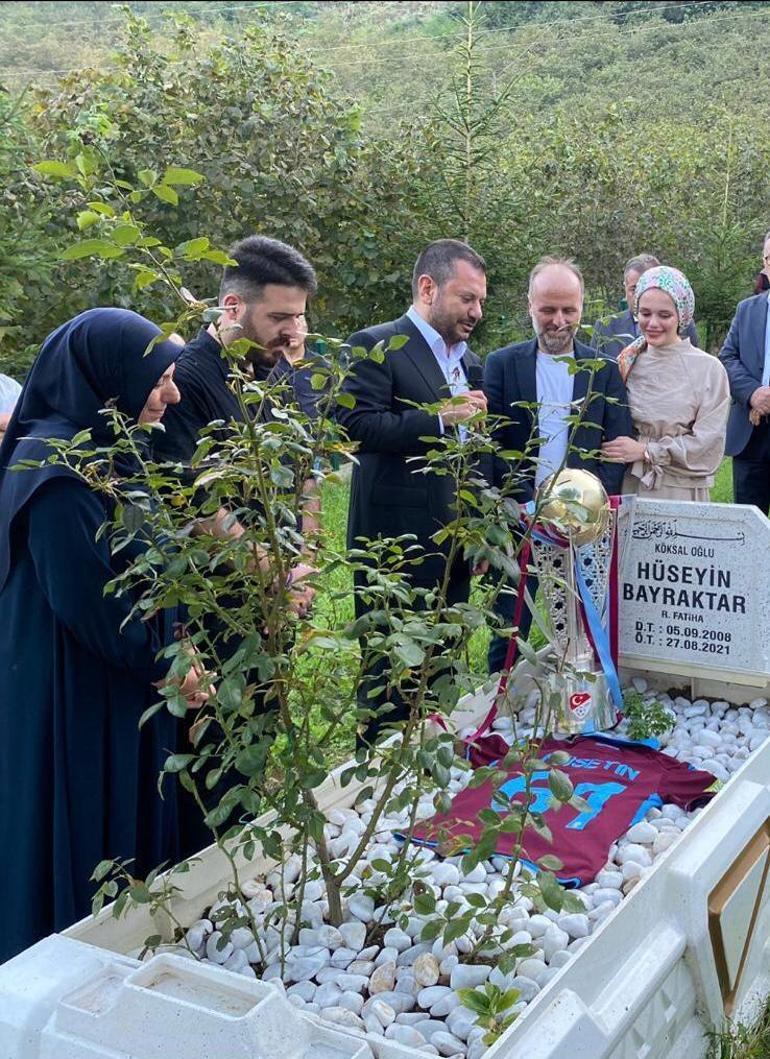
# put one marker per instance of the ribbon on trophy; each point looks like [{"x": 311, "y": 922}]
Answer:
[{"x": 559, "y": 529}]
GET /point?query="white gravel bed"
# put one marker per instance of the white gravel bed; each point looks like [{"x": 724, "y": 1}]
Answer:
[{"x": 405, "y": 990}]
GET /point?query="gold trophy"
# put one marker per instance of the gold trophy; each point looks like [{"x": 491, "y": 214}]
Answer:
[{"x": 572, "y": 553}]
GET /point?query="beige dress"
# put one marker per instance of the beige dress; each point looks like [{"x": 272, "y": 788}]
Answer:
[{"x": 679, "y": 398}]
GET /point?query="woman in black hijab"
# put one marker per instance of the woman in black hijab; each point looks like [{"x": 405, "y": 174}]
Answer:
[{"x": 77, "y": 776}]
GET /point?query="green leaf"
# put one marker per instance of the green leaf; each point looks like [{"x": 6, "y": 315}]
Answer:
[
  {"x": 193, "y": 248},
  {"x": 219, "y": 257},
  {"x": 101, "y": 870},
  {"x": 550, "y": 863},
  {"x": 251, "y": 759},
  {"x": 507, "y": 999},
  {"x": 176, "y": 175},
  {"x": 150, "y": 712},
  {"x": 92, "y": 248},
  {"x": 455, "y": 930},
  {"x": 474, "y": 1000},
  {"x": 425, "y": 904},
  {"x": 347, "y": 400},
  {"x": 165, "y": 194},
  {"x": 560, "y": 785},
  {"x": 410, "y": 654},
  {"x": 103, "y": 208},
  {"x": 57, "y": 170},
  {"x": 145, "y": 278},
  {"x": 552, "y": 893},
  {"x": 431, "y": 930},
  {"x": 147, "y": 176},
  {"x": 178, "y": 762},
  {"x": 132, "y": 517},
  {"x": 87, "y": 218},
  {"x": 397, "y": 341},
  {"x": 126, "y": 234}
]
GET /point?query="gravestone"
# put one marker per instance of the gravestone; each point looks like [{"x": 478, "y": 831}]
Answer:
[{"x": 695, "y": 590}]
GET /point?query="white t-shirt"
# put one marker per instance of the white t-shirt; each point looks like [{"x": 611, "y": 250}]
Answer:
[
  {"x": 9, "y": 393},
  {"x": 554, "y": 404}
]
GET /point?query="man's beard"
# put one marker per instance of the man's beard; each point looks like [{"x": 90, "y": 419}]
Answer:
[
  {"x": 260, "y": 355},
  {"x": 556, "y": 342},
  {"x": 264, "y": 357},
  {"x": 448, "y": 327}
]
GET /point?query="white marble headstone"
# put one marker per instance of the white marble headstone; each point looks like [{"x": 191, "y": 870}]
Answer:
[{"x": 695, "y": 589}]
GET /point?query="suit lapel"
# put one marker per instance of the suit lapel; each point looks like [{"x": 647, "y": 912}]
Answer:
[
  {"x": 526, "y": 373},
  {"x": 421, "y": 356},
  {"x": 758, "y": 325},
  {"x": 525, "y": 370}
]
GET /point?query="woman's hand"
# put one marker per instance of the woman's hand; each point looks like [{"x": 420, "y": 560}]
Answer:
[
  {"x": 196, "y": 686},
  {"x": 623, "y": 450},
  {"x": 301, "y": 595}
]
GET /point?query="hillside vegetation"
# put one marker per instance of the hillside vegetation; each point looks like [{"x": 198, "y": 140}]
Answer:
[{"x": 361, "y": 130}]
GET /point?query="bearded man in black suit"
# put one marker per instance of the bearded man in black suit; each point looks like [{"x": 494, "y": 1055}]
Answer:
[
  {"x": 556, "y": 401},
  {"x": 391, "y": 494}
]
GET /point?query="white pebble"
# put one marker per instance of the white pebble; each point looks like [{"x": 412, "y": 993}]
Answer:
[
  {"x": 447, "y": 1044},
  {"x": 404, "y": 1035},
  {"x": 467, "y": 975},
  {"x": 353, "y": 935},
  {"x": 362, "y": 907},
  {"x": 643, "y": 833},
  {"x": 554, "y": 940},
  {"x": 575, "y": 924}
]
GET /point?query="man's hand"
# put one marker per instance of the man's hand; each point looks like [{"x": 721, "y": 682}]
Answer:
[
  {"x": 623, "y": 450},
  {"x": 460, "y": 409},
  {"x": 480, "y": 568},
  {"x": 760, "y": 400},
  {"x": 301, "y": 594}
]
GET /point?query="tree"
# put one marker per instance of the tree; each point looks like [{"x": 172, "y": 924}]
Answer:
[{"x": 280, "y": 153}]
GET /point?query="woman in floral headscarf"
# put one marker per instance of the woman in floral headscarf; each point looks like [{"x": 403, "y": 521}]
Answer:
[{"x": 678, "y": 396}]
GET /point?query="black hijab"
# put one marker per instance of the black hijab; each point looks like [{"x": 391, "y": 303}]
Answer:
[{"x": 97, "y": 358}]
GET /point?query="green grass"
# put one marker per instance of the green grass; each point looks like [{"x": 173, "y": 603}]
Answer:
[
  {"x": 335, "y": 498},
  {"x": 722, "y": 491},
  {"x": 736, "y": 1041}
]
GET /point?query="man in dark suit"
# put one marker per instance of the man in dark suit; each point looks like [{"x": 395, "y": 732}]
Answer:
[
  {"x": 558, "y": 378},
  {"x": 746, "y": 357},
  {"x": 611, "y": 336},
  {"x": 390, "y": 496}
]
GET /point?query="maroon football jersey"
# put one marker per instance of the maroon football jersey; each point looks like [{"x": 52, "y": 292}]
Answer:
[{"x": 620, "y": 782}]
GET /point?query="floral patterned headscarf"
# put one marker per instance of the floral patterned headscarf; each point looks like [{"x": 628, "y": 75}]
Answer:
[{"x": 677, "y": 286}]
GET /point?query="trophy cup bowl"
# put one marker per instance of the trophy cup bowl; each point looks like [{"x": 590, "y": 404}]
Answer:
[{"x": 575, "y": 504}]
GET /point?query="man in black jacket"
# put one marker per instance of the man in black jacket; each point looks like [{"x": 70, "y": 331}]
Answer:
[
  {"x": 560, "y": 381},
  {"x": 390, "y": 496}
]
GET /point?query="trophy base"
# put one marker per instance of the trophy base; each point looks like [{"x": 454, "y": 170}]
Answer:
[{"x": 585, "y": 703}]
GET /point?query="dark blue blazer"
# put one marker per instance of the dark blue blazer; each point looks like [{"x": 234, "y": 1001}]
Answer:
[
  {"x": 510, "y": 376},
  {"x": 391, "y": 494},
  {"x": 611, "y": 336},
  {"x": 743, "y": 355}
]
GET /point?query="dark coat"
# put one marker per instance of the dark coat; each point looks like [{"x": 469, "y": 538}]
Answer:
[
  {"x": 77, "y": 776},
  {"x": 611, "y": 336},
  {"x": 389, "y": 495},
  {"x": 510, "y": 376},
  {"x": 743, "y": 355}
]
